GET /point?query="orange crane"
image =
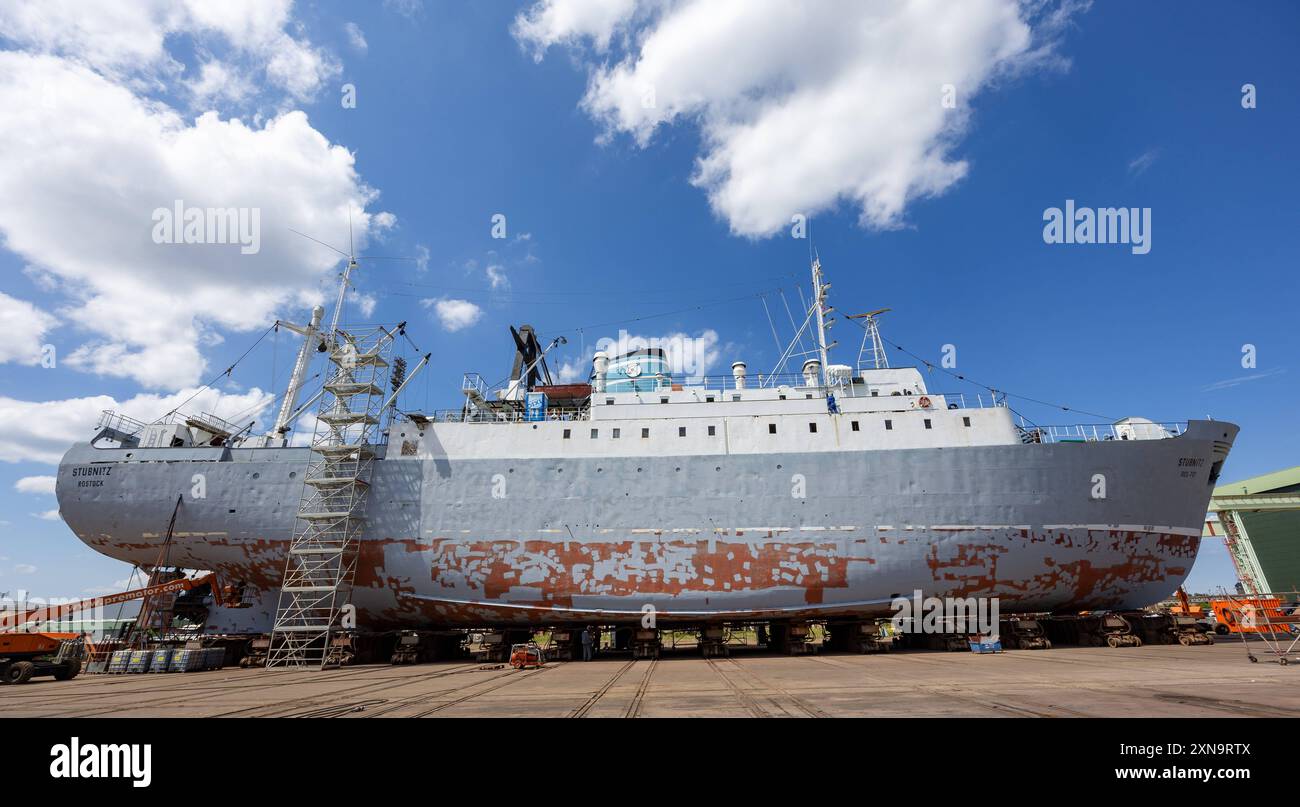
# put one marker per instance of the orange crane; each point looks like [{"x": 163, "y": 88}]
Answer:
[
  {"x": 1185, "y": 606},
  {"x": 229, "y": 596}
]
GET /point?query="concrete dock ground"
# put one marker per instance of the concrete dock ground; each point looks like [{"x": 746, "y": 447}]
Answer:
[{"x": 1165, "y": 680}]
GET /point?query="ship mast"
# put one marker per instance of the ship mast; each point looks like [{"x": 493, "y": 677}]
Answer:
[
  {"x": 310, "y": 334},
  {"x": 819, "y": 307},
  {"x": 872, "y": 344},
  {"x": 345, "y": 280}
]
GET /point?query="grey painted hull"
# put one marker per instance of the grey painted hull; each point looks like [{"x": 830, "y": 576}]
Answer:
[{"x": 479, "y": 542}]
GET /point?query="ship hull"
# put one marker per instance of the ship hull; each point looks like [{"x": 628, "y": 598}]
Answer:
[{"x": 476, "y": 543}]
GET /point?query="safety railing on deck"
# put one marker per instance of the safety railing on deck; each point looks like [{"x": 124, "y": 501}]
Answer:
[
  {"x": 503, "y": 416},
  {"x": 1096, "y": 432},
  {"x": 108, "y": 419}
]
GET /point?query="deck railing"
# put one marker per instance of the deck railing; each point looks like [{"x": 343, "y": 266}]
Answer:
[
  {"x": 118, "y": 422},
  {"x": 503, "y": 416},
  {"x": 1096, "y": 432}
]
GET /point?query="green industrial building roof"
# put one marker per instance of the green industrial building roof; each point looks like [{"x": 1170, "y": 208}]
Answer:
[
  {"x": 1272, "y": 529},
  {"x": 1285, "y": 478}
]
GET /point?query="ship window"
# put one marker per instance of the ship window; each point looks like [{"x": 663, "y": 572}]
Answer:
[
  {"x": 782, "y": 397},
  {"x": 771, "y": 428},
  {"x": 708, "y": 399},
  {"x": 808, "y": 395},
  {"x": 733, "y": 397},
  {"x": 594, "y": 432},
  {"x": 812, "y": 428},
  {"x": 875, "y": 393},
  {"x": 609, "y": 402},
  {"x": 889, "y": 424},
  {"x": 618, "y": 433},
  {"x": 681, "y": 431},
  {"x": 965, "y": 421},
  {"x": 663, "y": 399},
  {"x": 927, "y": 423},
  {"x": 567, "y": 433},
  {"x": 855, "y": 425},
  {"x": 645, "y": 433},
  {"x": 713, "y": 430}
]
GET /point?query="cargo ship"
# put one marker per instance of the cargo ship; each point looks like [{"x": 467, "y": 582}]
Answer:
[{"x": 815, "y": 495}]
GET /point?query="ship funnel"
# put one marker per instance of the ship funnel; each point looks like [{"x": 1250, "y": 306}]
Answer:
[
  {"x": 599, "y": 367},
  {"x": 812, "y": 370},
  {"x": 738, "y": 370}
]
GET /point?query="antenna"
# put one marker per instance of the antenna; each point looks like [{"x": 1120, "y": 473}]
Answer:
[
  {"x": 345, "y": 277},
  {"x": 819, "y": 307},
  {"x": 872, "y": 344}
]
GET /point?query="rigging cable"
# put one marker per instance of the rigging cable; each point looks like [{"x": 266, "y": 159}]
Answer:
[
  {"x": 932, "y": 366},
  {"x": 218, "y": 377}
]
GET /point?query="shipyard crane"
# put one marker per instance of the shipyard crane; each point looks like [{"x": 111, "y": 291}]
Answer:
[{"x": 229, "y": 596}]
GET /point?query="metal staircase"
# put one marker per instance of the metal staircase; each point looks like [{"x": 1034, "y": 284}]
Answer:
[{"x": 322, "y": 558}]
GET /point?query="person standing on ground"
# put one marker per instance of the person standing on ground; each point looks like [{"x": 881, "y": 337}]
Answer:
[{"x": 586, "y": 644}]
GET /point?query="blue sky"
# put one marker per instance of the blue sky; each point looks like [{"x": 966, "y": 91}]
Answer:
[{"x": 1136, "y": 105}]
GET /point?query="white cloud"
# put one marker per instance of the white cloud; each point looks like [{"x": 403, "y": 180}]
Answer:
[
  {"x": 553, "y": 22},
  {"x": 454, "y": 315},
  {"x": 42, "y": 431},
  {"x": 27, "y": 568},
  {"x": 82, "y": 181},
  {"x": 497, "y": 277},
  {"x": 35, "y": 484},
  {"x": 802, "y": 106},
  {"x": 24, "y": 327},
  {"x": 687, "y": 356},
  {"x": 1228, "y": 383},
  {"x": 304, "y": 429},
  {"x": 218, "y": 81},
  {"x": 123, "y": 584},
  {"x": 574, "y": 370},
  {"x": 365, "y": 302},
  {"x": 127, "y": 39},
  {"x": 1138, "y": 165},
  {"x": 411, "y": 9},
  {"x": 356, "y": 38},
  {"x": 48, "y": 515}
]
